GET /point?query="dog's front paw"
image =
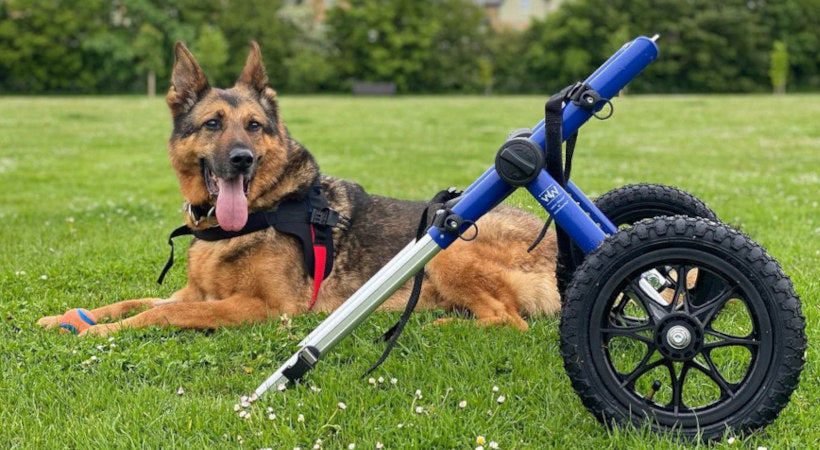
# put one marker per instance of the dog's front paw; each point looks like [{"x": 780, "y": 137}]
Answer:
[
  {"x": 101, "y": 330},
  {"x": 49, "y": 322}
]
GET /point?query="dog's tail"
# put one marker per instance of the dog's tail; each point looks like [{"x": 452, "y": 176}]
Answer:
[{"x": 537, "y": 292}]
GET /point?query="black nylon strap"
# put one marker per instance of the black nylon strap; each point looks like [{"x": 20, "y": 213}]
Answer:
[
  {"x": 181, "y": 231},
  {"x": 392, "y": 335},
  {"x": 553, "y": 132}
]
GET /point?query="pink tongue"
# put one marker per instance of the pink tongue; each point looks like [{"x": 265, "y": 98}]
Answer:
[{"x": 231, "y": 204}]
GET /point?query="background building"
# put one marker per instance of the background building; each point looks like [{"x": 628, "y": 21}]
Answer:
[{"x": 516, "y": 14}]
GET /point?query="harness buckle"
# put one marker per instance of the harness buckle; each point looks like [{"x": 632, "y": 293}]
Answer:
[{"x": 324, "y": 217}]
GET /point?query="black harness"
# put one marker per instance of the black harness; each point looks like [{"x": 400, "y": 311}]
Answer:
[{"x": 310, "y": 220}]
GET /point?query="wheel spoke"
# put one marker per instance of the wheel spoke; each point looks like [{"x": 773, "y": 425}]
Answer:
[
  {"x": 677, "y": 386},
  {"x": 727, "y": 340},
  {"x": 627, "y": 332},
  {"x": 626, "y": 321},
  {"x": 726, "y": 388},
  {"x": 681, "y": 289},
  {"x": 643, "y": 367},
  {"x": 707, "y": 311},
  {"x": 656, "y": 311}
]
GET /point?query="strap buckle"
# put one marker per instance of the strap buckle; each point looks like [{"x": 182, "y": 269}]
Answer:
[
  {"x": 305, "y": 361},
  {"x": 324, "y": 217},
  {"x": 584, "y": 96}
]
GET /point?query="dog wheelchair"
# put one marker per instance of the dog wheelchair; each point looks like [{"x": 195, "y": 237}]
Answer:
[{"x": 669, "y": 317}]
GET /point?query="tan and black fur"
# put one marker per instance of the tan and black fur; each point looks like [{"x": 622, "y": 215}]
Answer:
[{"x": 261, "y": 275}]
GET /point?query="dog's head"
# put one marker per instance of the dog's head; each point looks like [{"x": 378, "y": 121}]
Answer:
[{"x": 228, "y": 146}]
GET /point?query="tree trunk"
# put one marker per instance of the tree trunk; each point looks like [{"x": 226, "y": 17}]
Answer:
[{"x": 152, "y": 84}]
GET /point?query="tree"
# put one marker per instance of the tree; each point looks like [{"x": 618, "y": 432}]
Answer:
[
  {"x": 211, "y": 49},
  {"x": 41, "y": 45},
  {"x": 421, "y": 45},
  {"x": 779, "y": 68},
  {"x": 308, "y": 65},
  {"x": 148, "y": 50}
]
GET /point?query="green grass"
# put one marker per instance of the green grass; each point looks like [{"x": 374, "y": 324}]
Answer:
[{"x": 88, "y": 198}]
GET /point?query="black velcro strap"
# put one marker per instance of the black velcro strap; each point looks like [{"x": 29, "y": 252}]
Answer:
[
  {"x": 553, "y": 134},
  {"x": 392, "y": 335}
]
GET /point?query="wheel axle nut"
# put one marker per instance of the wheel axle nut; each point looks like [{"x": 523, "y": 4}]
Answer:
[{"x": 678, "y": 337}]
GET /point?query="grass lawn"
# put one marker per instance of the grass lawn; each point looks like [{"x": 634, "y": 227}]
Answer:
[{"x": 87, "y": 199}]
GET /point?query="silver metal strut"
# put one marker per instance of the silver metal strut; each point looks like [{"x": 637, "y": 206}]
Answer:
[{"x": 354, "y": 310}]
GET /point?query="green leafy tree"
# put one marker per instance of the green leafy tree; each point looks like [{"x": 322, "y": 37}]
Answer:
[
  {"x": 779, "y": 68},
  {"x": 706, "y": 46},
  {"x": 211, "y": 49},
  {"x": 41, "y": 45},
  {"x": 309, "y": 66},
  {"x": 242, "y": 21},
  {"x": 148, "y": 50},
  {"x": 421, "y": 45},
  {"x": 383, "y": 40},
  {"x": 795, "y": 23}
]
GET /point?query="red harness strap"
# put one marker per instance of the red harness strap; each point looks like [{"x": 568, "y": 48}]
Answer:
[{"x": 320, "y": 259}]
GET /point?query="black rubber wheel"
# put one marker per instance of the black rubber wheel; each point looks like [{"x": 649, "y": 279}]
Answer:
[
  {"x": 626, "y": 205},
  {"x": 696, "y": 360}
]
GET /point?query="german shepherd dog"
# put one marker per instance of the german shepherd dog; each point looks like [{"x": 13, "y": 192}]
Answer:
[{"x": 231, "y": 151}]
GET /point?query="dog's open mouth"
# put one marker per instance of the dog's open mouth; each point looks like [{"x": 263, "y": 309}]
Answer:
[{"x": 231, "y": 198}]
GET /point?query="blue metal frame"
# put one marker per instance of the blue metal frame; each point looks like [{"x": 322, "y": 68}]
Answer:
[{"x": 586, "y": 225}]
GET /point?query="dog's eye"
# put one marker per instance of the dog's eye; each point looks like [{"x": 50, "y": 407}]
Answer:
[
  {"x": 254, "y": 126},
  {"x": 212, "y": 124}
]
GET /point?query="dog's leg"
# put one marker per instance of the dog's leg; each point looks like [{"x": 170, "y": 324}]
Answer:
[
  {"x": 233, "y": 310},
  {"x": 122, "y": 308}
]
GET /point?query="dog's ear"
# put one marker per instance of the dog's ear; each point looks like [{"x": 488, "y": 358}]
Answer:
[
  {"x": 255, "y": 77},
  {"x": 187, "y": 81}
]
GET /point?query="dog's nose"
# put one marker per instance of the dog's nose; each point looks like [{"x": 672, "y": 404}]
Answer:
[{"x": 240, "y": 158}]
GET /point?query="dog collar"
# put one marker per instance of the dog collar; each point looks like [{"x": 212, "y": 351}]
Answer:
[{"x": 310, "y": 220}]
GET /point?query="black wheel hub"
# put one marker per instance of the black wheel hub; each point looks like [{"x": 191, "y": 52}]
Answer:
[{"x": 679, "y": 336}]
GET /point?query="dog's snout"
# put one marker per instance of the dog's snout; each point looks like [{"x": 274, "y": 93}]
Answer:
[{"x": 240, "y": 158}]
